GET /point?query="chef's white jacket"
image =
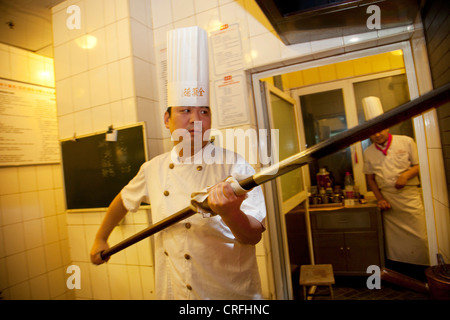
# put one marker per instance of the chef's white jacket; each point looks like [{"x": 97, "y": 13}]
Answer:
[
  {"x": 197, "y": 258},
  {"x": 404, "y": 224}
]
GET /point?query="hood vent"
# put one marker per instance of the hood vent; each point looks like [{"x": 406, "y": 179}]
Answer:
[{"x": 298, "y": 21}]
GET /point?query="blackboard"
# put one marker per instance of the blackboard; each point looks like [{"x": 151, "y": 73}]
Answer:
[{"x": 95, "y": 170}]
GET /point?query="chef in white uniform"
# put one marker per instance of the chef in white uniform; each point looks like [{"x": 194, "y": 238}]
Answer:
[
  {"x": 201, "y": 257},
  {"x": 391, "y": 165}
]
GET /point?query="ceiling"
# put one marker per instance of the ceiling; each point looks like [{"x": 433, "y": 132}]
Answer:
[{"x": 27, "y": 24}]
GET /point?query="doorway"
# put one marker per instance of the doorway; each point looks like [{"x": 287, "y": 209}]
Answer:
[{"x": 344, "y": 95}]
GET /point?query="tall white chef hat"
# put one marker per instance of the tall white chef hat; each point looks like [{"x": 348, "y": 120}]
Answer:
[
  {"x": 187, "y": 67},
  {"x": 372, "y": 107}
]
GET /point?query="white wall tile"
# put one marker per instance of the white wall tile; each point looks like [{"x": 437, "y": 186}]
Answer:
[
  {"x": 17, "y": 268},
  {"x": 259, "y": 52},
  {"x": 50, "y": 227},
  {"x": 117, "y": 113},
  {"x": 66, "y": 126},
  {"x": 140, "y": 40},
  {"x": 143, "y": 79},
  {"x": 112, "y": 43},
  {"x": 78, "y": 57},
  {"x": 13, "y": 235},
  {"x": 162, "y": 13},
  {"x": 36, "y": 262},
  {"x": 11, "y": 209},
  {"x": 134, "y": 279},
  {"x": 122, "y": 9},
  {"x": 148, "y": 285},
  {"x": 100, "y": 282},
  {"x": 94, "y": 14},
  {"x": 114, "y": 81},
  {"x": 97, "y": 55},
  {"x": 19, "y": 67},
  {"x": 53, "y": 255},
  {"x": 37, "y": 74},
  {"x": 29, "y": 202},
  {"x": 118, "y": 280},
  {"x": 5, "y": 66},
  {"x": 209, "y": 20},
  {"x": 81, "y": 91},
  {"x": 182, "y": 9},
  {"x": 39, "y": 288},
  {"x": 44, "y": 177},
  {"x": 233, "y": 12},
  {"x": 33, "y": 234},
  {"x": 60, "y": 31},
  {"x": 109, "y": 10},
  {"x": 47, "y": 202},
  {"x": 99, "y": 89},
  {"x": 123, "y": 38},
  {"x": 101, "y": 116},
  {"x": 10, "y": 180},
  {"x": 57, "y": 282},
  {"x": 64, "y": 99},
  {"x": 203, "y": 5},
  {"x": 77, "y": 243},
  {"x": 127, "y": 81},
  {"x": 138, "y": 11}
]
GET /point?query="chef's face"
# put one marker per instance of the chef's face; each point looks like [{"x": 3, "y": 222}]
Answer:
[
  {"x": 380, "y": 137},
  {"x": 195, "y": 120}
]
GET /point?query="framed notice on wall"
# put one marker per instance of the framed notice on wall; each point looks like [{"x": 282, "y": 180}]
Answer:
[{"x": 28, "y": 124}]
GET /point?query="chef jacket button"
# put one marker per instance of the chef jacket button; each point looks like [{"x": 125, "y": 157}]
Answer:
[
  {"x": 188, "y": 286},
  {"x": 171, "y": 166},
  {"x": 187, "y": 225},
  {"x": 166, "y": 193},
  {"x": 199, "y": 168},
  {"x": 187, "y": 257}
]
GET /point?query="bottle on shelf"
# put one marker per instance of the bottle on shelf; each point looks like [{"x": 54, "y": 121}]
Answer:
[{"x": 349, "y": 189}]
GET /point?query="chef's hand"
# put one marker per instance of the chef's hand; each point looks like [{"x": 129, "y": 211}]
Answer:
[
  {"x": 383, "y": 204},
  {"x": 401, "y": 180},
  {"x": 97, "y": 247},
  {"x": 222, "y": 199}
]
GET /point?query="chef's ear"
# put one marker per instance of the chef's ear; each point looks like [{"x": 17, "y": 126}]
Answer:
[{"x": 167, "y": 115}]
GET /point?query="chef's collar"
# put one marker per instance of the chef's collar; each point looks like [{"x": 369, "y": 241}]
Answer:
[{"x": 197, "y": 158}]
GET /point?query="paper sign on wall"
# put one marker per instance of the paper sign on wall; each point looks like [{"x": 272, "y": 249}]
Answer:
[
  {"x": 28, "y": 124},
  {"x": 230, "y": 98},
  {"x": 227, "y": 49}
]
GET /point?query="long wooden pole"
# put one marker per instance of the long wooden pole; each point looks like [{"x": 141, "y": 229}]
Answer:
[{"x": 406, "y": 111}]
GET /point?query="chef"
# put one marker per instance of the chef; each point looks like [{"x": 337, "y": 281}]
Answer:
[
  {"x": 209, "y": 255},
  {"x": 391, "y": 166}
]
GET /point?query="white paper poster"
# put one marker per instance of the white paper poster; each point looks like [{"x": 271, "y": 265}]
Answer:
[
  {"x": 28, "y": 124},
  {"x": 227, "y": 49},
  {"x": 231, "y": 106}
]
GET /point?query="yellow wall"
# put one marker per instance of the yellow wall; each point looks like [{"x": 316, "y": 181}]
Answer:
[{"x": 352, "y": 68}]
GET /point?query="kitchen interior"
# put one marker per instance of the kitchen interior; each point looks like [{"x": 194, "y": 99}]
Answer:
[{"x": 310, "y": 87}]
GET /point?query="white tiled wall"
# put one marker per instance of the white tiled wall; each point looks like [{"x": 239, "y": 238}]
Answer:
[
  {"x": 112, "y": 83},
  {"x": 34, "y": 250}
]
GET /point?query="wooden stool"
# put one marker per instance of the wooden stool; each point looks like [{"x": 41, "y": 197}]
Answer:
[{"x": 316, "y": 275}]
